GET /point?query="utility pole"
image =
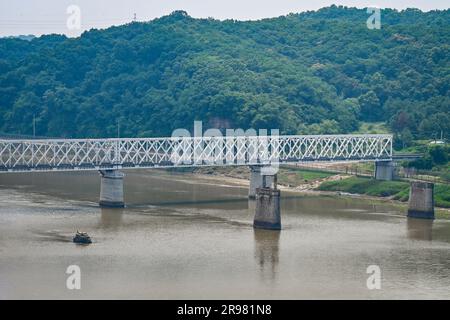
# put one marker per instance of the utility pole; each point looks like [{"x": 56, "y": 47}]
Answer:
[
  {"x": 118, "y": 128},
  {"x": 134, "y": 18}
]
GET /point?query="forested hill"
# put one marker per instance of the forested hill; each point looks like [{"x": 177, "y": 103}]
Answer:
[{"x": 314, "y": 72}]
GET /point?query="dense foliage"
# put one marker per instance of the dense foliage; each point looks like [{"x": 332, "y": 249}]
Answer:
[
  {"x": 433, "y": 156},
  {"x": 314, "y": 72}
]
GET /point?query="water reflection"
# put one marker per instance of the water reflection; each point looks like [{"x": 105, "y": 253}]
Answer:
[
  {"x": 420, "y": 229},
  {"x": 267, "y": 243},
  {"x": 111, "y": 219}
]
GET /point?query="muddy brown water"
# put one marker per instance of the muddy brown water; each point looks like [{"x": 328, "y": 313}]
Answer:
[{"x": 184, "y": 236}]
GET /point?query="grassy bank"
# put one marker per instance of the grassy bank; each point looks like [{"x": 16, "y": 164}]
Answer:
[
  {"x": 398, "y": 190},
  {"x": 291, "y": 176},
  {"x": 287, "y": 176}
]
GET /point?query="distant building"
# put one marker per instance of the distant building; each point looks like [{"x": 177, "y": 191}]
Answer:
[{"x": 437, "y": 142}]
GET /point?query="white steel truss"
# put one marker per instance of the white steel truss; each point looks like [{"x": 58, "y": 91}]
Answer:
[{"x": 103, "y": 154}]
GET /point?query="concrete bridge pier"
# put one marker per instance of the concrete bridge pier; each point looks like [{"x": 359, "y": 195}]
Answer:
[
  {"x": 421, "y": 200},
  {"x": 111, "y": 189},
  {"x": 267, "y": 211},
  {"x": 267, "y": 215},
  {"x": 259, "y": 179},
  {"x": 384, "y": 170}
]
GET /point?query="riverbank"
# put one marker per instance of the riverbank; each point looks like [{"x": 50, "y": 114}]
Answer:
[
  {"x": 397, "y": 190},
  {"x": 292, "y": 179}
]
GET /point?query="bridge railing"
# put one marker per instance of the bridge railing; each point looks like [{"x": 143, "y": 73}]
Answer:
[{"x": 94, "y": 154}]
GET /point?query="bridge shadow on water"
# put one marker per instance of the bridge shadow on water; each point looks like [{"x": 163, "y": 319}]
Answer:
[
  {"x": 186, "y": 202},
  {"x": 199, "y": 202},
  {"x": 111, "y": 219}
]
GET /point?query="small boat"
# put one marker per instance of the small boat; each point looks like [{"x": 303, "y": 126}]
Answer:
[{"x": 82, "y": 237}]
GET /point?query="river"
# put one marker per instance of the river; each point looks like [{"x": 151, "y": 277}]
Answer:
[{"x": 183, "y": 236}]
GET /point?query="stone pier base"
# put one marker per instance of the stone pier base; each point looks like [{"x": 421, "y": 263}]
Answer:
[
  {"x": 111, "y": 189},
  {"x": 267, "y": 213},
  {"x": 421, "y": 200},
  {"x": 384, "y": 170}
]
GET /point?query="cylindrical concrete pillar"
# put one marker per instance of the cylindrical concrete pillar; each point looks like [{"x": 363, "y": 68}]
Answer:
[
  {"x": 111, "y": 189},
  {"x": 384, "y": 170},
  {"x": 267, "y": 213},
  {"x": 421, "y": 200}
]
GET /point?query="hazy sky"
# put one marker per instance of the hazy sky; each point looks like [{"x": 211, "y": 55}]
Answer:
[{"x": 49, "y": 16}]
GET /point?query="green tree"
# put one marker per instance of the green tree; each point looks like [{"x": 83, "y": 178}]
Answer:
[
  {"x": 438, "y": 155},
  {"x": 370, "y": 106}
]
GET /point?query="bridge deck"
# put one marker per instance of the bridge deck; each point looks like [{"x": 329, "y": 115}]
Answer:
[{"x": 102, "y": 154}]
